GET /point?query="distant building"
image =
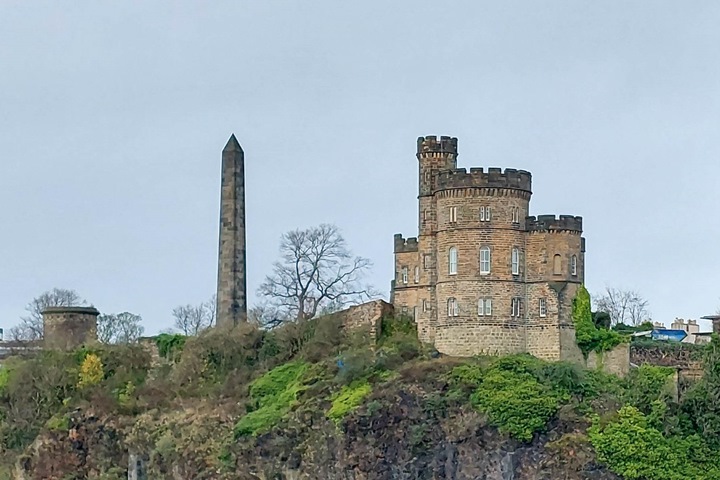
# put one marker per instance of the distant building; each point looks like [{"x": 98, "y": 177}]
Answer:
[{"x": 690, "y": 327}]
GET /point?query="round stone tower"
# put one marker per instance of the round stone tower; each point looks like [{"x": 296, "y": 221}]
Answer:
[
  {"x": 67, "y": 328},
  {"x": 480, "y": 251}
]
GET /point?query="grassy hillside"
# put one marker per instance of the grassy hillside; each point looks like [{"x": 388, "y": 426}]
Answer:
[{"x": 311, "y": 400}]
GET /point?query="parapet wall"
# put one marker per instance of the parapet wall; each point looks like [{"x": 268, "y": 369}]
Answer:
[
  {"x": 551, "y": 223},
  {"x": 493, "y": 178},
  {"x": 67, "y": 328},
  {"x": 431, "y": 144},
  {"x": 405, "y": 245}
]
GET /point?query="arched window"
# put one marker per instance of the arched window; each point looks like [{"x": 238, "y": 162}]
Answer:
[
  {"x": 452, "y": 261},
  {"x": 515, "y": 212},
  {"x": 557, "y": 265},
  {"x": 417, "y": 274},
  {"x": 404, "y": 275},
  {"x": 573, "y": 266},
  {"x": 515, "y": 261},
  {"x": 453, "y": 308},
  {"x": 485, "y": 260}
]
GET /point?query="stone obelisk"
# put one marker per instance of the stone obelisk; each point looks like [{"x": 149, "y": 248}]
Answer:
[{"x": 232, "y": 282}]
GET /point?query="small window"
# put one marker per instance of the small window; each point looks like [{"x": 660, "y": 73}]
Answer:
[
  {"x": 424, "y": 216},
  {"x": 415, "y": 313},
  {"x": 404, "y": 275},
  {"x": 485, "y": 260},
  {"x": 543, "y": 307},
  {"x": 425, "y": 306},
  {"x": 484, "y": 214},
  {"x": 485, "y": 307},
  {"x": 453, "y": 308},
  {"x": 427, "y": 175},
  {"x": 557, "y": 265},
  {"x": 573, "y": 266},
  {"x": 453, "y": 214},
  {"x": 515, "y": 261},
  {"x": 515, "y": 307},
  {"x": 426, "y": 261},
  {"x": 515, "y": 212},
  {"x": 452, "y": 261},
  {"x": 417, "y": 274}
]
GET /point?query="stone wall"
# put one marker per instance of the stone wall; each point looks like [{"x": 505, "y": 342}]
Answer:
[
  {"x": 616, "y": 361},
  {"x": 67, "y": 328},
  {"x": 365, "y": 316}
]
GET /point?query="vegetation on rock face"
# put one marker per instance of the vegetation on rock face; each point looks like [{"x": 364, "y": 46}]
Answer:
[
  {"x": 349, "y": 398},
  {"x": 276, "y": 400},
  {"x": 588, "y": 336},
  {"x": 273, "y": 394}
]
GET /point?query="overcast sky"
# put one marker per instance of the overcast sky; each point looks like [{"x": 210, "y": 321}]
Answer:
[{"x": 113, "y": 116}]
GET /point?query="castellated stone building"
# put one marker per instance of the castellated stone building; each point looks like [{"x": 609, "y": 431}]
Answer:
[{"x": 483, "y": 276}]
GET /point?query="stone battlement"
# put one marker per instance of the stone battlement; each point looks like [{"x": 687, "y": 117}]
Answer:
[
  {"x": 430, "y": 144},
  {"x": 404, "y": 245},
  {"x": 549, "y": 223},
  {"x": 493, "y": 178}
]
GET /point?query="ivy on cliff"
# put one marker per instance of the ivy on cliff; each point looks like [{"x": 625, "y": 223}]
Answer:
[{"x": 588, "y": 337}]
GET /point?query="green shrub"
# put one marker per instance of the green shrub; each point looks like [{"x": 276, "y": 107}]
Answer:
[
  {"x": 348, "y": 399},
  {"x": 515, "y": 402},
  {"x": 647, "y": 384},
  {"x": 588, "y": 337},
  {"x": 58, "y": 423},
  {"x": 170, "y": 346},
  {"x": 630, "y": 447}
]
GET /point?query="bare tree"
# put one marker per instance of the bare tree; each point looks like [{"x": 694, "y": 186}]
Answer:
[
  {"x": 119, "y": 328},
  {"x": 266, "y": 315},
  {"x": 316, "y": 270},
  {"x": 623, "y": 306},
  {"x": 193, "y": 319},
  {"x": 31, "y": 326}
]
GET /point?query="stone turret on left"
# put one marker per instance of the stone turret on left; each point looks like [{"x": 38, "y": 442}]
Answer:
[{"x": 232, "y": 282}]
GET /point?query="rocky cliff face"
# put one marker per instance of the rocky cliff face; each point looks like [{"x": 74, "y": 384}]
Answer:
[{"x": 403, "y": 432}]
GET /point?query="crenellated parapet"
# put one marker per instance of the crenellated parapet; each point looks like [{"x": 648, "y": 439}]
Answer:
[
  {"x": 479, "y": 178},
  {"x": 551, "y": 223},
  {"x": 405, "y": 245},
  {"x": 431, "y": 144}
]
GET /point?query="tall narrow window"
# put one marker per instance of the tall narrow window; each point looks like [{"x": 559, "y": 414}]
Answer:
[
  {"x": 543, "y": 307},
  {"x": 557, "y": 265},
  {"x": 573, "y": 266},
  {"x": 453, "y": 308},
  {"x": 485, "y": 307},
  {"x": 515, "y": 212},
  {"x": 515, "y": 261},
  {"x": 404, "y": 275},
  {"x": 516, "y": 307},
  {"x": 417, "y": 274},
  {"x": 425, "y": 306},
  {"x": 484, "y": 214},
  {"x": 485, "y": 260},
  {"x": 453, "y": 214},
  {"x": 452, "y": 261},
  {"x": 426, "y": 261}
]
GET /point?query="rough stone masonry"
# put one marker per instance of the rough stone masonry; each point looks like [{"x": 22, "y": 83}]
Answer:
[{"x": 232, "y": 282}]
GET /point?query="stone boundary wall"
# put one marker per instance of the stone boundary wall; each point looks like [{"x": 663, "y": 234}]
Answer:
[
  {"x": 367, "y": 315},
  {"x": 616, "y": 361}
]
